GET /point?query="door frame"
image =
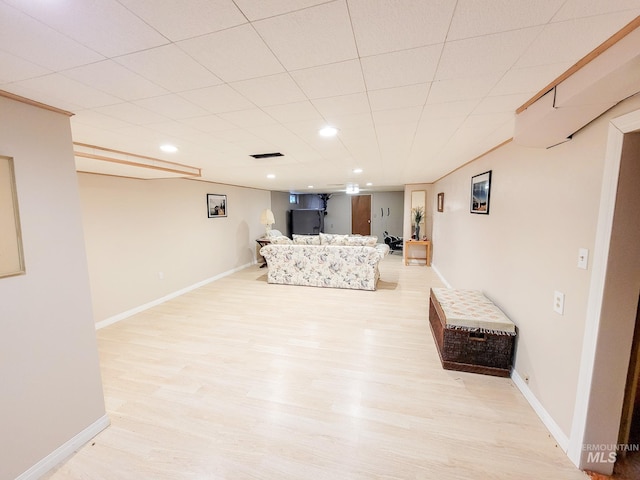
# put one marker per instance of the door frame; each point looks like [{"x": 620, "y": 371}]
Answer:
[{"x": 589, "y": 395}]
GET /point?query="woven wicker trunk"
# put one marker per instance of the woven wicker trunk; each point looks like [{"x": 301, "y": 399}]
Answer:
[{"x": 467, "y": 351}]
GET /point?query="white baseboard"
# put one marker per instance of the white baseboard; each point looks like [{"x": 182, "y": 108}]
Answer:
[
  {"x": 444, "y": 280},
  {"x": 62, "y": 452},
  {"x": 561, "y": 438},
  {"x": 121, "y": 316}
]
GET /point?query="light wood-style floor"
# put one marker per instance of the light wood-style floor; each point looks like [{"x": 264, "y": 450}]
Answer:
[{"x": 245, "y": 380}]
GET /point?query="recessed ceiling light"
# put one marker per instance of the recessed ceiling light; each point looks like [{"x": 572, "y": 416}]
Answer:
[
  {"x": 310, "y": 186},
  {"x": 369, "y": 184},
  {"x": 271, "y": 175},
  {"x": 357, "y": 170},
  {"x": 167, "y": 148},
  {"x": 328, "y": 131}
]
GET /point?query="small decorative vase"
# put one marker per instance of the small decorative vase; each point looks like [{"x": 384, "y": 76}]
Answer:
[{"x": 417, "y": 232}]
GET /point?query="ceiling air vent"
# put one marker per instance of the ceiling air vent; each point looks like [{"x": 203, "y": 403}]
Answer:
[{"x": 267, "y": 155}]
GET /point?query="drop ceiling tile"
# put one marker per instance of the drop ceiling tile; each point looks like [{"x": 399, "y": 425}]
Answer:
[
  {"x": 130, "y": 113},
  {"x": 501, "y": 103},
  {"x": 172, "y": 106},
  {"x": 483, "y": 55},
  {"x": 93, "y": 24},
  {"x": 581, "y": 8},
  {"x": 390, "y": 98},
  {"x": 351, "y": 121},
  {"x": 398, "y": 69},
  {"x": 256, "y": 10},
  {"x": 294, "y": 112},
  {"x": 182, "y": 19},
  {"x": 272, "y": 90},
  {"x": 116, "y": 80},
  {"x": 342, "y": 105},
  {"x": 341, "y": 78},
  {"x": 528, "y": 80},
  {"x": 308, "y": 130},
  {"x": 434, "y": 112},
  {"x": 253, "y": 117},
  {"x": 381, "y": 26},
  {"x": 234, "y": 54},
  {"x": 15, "y": 68},
  {"x": 487, "y": 122},
  {"x": 95, "y": 119},
  {"x": 567, "y": 42},
  {"x": 175, "y": 132},
  {"x": 209, "y": 123},
  {"x": 474, "y": 19},
  {"x": 68, "y": 91},
  {"x": 398, "y": 116},
  {"x": 458, "y": 89},
  {"x": 20, "y": 89},
  {"x": 218, "y": 99},
  {"x": 310, "y": 37},
  {"x": 27, "y": 38},
  {"x": 169, "y": 67}
]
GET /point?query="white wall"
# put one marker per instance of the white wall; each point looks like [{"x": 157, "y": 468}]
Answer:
[
  {"x": 147, "y": 239},
  {"x": 544, "y": 207},
  {"x": 49, "y": 374},
  {"x": 387, "y": 214}
]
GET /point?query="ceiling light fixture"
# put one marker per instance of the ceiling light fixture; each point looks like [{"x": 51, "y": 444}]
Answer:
[
  {"x": 328, "y": 131},
  {"x": 309, "y": 186},
  {"x": 369, "y": 184},
  {"x": 357, "y": 170},
  {"x": 271, "y": 175},
  {"x": 167, "y": 148},
  {"x": 352, "y": 188}
]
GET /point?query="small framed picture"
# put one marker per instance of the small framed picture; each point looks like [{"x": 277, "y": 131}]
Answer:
[
  {"x": 441, "y": 202},
  {"x": 481, "y": 193},
  {"x": 216, "y": 205}
]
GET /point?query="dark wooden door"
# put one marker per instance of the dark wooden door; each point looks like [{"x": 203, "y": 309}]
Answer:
[{"x": 361, "y": 214}]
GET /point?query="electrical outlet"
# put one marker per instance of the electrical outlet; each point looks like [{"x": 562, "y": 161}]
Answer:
[{"x": 558, "y": 302}]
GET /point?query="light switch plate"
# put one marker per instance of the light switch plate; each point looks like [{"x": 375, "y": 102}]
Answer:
[
  {"x": 583, "y": 258},
  {"x": 558, "y": 302}
]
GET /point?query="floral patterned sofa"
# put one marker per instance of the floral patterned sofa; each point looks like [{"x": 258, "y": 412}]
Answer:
[{"x": 325, "y": 260}]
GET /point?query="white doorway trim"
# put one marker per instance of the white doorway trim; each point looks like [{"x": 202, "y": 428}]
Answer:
[{"x": 618, "y": 127}]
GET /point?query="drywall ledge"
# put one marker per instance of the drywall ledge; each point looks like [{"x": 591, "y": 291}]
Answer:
[{"x": 583, "y": 96}]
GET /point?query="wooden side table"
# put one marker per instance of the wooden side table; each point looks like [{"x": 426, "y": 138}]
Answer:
[
  {"x": 415, "y": 243},
  {"x": 262, "y": 242}
]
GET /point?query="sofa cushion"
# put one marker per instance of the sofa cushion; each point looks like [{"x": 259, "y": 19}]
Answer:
[
  {"x": 333, "y": 239},
  {"x": 362, "y": 241},
  {"x": 306, "y": 239},
  {"x": 280, "y": 240}
]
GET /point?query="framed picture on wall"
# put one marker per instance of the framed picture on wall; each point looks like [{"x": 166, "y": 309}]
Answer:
[
  {"x": 441, "y": 202},
  {"x": 481, "y": 193},
  {"x": 216, "y": 205}
]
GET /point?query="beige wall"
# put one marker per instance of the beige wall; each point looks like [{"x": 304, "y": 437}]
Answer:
[
  {"x": 544, "y": 207},
  {"x": 147, "y": 239},
  {"x": 49, "y": 375}
]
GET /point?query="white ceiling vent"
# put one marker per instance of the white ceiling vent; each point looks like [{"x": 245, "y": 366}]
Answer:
[{"x": 611, "y": 76}]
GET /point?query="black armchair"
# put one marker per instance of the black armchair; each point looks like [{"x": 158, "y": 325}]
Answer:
[{"x": 395, "y": 243}]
